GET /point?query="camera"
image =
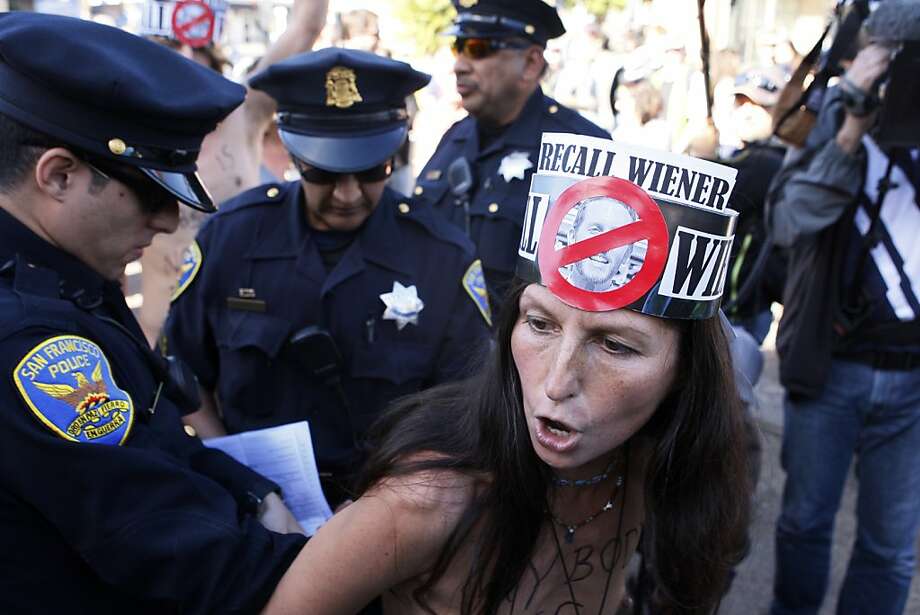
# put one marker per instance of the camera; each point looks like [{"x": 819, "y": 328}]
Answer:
[{"x": 894, "y": 24}]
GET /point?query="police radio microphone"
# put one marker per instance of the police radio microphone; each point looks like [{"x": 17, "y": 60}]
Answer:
[{"x": 460, "y": 180}]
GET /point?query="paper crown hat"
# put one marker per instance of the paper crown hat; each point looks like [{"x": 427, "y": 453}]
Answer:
[
  {"x": 610, "y": 225},
  {"x": 197, "y": 23}
]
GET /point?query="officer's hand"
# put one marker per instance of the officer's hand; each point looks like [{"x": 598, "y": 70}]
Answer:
[{"x": 275, "y": 516}]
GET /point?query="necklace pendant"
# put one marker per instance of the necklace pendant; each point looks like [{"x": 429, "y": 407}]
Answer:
[{"x": 569, "y": 535}]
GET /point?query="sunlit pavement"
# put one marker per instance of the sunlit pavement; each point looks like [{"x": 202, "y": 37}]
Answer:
[{"x": 752, "y": 588}]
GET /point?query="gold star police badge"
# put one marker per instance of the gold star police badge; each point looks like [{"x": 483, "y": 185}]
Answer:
[{"x": 341, "y": 88}]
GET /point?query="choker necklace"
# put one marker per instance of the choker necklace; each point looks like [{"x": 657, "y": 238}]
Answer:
[
  {"x": 570, "y": 528},
  {"x": 585, "y": 482}
]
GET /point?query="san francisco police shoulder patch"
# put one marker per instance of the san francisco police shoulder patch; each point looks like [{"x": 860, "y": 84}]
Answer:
[
  {"x": 474, "y": 282},
  {"x": 191, "y": 263},
  {"x": 67, "y": 383}
]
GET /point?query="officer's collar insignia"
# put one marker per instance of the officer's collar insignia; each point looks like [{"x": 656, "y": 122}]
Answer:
[
  {"x": 434, "y": 175},
  {"x": 514, "y": 165},
  {"x": 191, "y": 263},
  {"x": 468, "y": 4},
  {"x": 341, "y": 88},
  {"x": 67, "y": 383},
  {"x": 403, "y": 305},
  {"x": 474, "y": 283}
]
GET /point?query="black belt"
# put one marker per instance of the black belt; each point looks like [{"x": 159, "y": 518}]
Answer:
[{"x": 888, "y": 361}]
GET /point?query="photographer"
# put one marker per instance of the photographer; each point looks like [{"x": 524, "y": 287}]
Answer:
[{"x": 846, "y": 206}]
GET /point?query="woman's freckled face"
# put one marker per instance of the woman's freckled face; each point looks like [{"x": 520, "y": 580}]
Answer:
[{"x": 590, "y": 380}]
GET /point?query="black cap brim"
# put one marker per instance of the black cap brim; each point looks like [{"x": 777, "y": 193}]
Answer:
[
  {"x": 345, "y": 154},
  {"x": 186, "y": 187}
]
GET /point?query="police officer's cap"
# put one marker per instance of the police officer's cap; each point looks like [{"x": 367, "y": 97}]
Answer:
[
  {"x": 531, "y": 19},
  {"x": 105, "y": 92},
  {"x": 341, "y": 110}
]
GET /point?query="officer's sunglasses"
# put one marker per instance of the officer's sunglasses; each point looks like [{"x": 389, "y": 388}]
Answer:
[
  {"x": 312, "y": 175},
  {"x": 152, "y": 197},
  {"x": 476, "y": 48}
]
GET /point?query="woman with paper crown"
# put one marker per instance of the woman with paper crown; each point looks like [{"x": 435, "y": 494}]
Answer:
[{"x": 600, "y": 418}]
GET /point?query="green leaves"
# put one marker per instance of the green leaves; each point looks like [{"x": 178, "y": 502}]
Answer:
[{"x": 424, "y": 21}]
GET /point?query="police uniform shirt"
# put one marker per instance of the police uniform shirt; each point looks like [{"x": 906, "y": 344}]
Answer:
[
  {"x": 105, "y": 506},
  {"x": 261, "y": 280},
  {"x": 501, "y": 173}
]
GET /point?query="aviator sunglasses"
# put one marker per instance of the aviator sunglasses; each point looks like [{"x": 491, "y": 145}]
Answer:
[
  {"x": 476, "y": 48},
  {"x": 314, "y": 175}
]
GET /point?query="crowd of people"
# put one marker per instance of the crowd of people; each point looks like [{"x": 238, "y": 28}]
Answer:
[{"x": 527, "y": 367}]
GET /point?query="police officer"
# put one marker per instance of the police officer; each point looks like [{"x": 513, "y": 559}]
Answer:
[
  {"x": 230, "y": 157},
  {"x": 479, "y": 175},
  {"x": 325, "y": 298},
  {"x": 108, "y": 505}
]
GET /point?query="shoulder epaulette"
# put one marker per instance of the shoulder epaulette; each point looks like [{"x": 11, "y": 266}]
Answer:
[
  {"x": 421, "y": 213},
  {"x": 572, "y": 120},
  {"x": 266, "y": 194}
]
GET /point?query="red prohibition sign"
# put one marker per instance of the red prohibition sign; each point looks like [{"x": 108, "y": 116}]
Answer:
[
  {"x": 650, "y": 226},
  {"x": 190, "y": 18}
]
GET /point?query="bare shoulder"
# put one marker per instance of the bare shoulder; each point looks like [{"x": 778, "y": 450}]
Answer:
[
  {"x": 443, "y": 492},
  {"x": 391, "y": 534}
]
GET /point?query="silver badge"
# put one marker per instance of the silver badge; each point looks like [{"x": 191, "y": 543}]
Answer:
[
  {"x": 403, "y": 305},
  {"x": 514, "y": 165}
]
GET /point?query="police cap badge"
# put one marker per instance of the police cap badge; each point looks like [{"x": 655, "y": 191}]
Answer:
[{"x": 341, "y": 110}]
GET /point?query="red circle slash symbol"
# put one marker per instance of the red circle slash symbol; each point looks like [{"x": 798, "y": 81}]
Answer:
[
  {"x": 650, "y": 225},
  {"x": 193, "y": 23}
]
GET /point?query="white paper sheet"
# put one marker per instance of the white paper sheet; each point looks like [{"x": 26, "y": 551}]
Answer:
[{"x": 285, "y": 455}]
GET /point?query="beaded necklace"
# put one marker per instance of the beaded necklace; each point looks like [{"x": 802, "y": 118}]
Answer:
[
  {"x": 571, "y": 533},
  {"x": 584, "y": 482},
  {"x": 570, "y": 528}
]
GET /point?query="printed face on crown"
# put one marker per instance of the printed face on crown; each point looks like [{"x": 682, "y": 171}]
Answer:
[
  {"x": 611, "y": 225},
  {"x": 595, "y": 217}
]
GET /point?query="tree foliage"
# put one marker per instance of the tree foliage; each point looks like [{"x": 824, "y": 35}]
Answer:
[
  {"x": 424, "y": 21},
  {"x": 598, "y": 8}
]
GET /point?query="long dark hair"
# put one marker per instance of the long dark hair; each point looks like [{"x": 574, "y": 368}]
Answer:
[{"x": 697, "y": 488}]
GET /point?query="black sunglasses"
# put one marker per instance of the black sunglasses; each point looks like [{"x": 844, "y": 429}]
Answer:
[
  {"x": 314, "y": 175},
  {"x": 152, "y": 197},
  {"x": 476, "y": 48}
]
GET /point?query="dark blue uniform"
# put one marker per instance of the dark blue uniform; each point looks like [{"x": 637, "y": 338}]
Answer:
[
  {"x": 262, "y": 279},
  {"x": 499, "y": 195},
  {"x": 106, "y": 504},
  {"x": 148, "y": 522}
]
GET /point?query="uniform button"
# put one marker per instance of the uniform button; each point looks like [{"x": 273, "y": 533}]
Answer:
[
  {"x": 272, "y": 192},
  {"x": 554, "y": 109},
  {"x": 403, "y": 208},
  {"x": 190, "y": 431},
  {"x": 419, "y": 190},
  {"x": 529, "y": 29},
  {"x": 493, "y": 208},
  {"x": 117, "y": 146}
]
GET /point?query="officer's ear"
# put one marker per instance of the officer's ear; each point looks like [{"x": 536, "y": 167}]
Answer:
[
  {"x": 534, "y": 63},
  {"x": 56, "y": 172}
]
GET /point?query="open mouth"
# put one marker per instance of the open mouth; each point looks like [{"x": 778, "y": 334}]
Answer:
[
  {"x": 555, "y": 427},
  {"x": 555, "y": 435}
]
